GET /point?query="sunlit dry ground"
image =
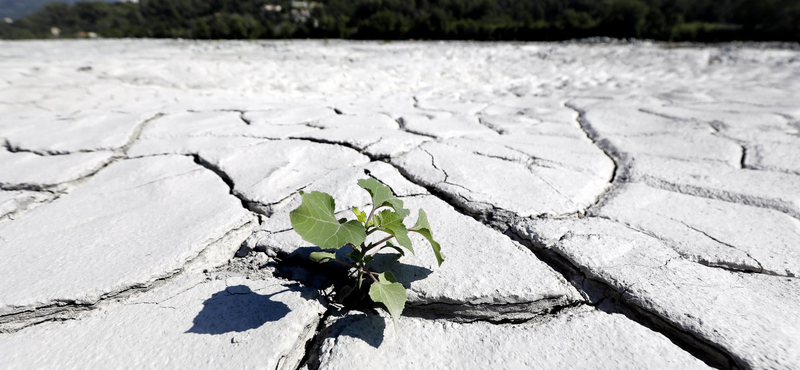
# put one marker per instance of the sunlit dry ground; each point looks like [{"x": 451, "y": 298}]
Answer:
[{"x": 600, "y": 206}]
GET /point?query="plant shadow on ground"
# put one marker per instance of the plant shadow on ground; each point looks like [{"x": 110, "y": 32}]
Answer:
[
  {"x": 238, "y": 309},
  {"x": 369, "y": 328},
  {"x": 321, "y": 276},
  {"x": 297, "y": 266}
]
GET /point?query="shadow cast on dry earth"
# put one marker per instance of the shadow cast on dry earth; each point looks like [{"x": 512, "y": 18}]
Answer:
[
  {"x": 238, "y": 309},
  {"x": 337, "y": 274},
  {"x": 369, "y": 329}
]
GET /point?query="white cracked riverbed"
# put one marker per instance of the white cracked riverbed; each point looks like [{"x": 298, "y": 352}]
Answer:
[{"x": 600, "y": 206}]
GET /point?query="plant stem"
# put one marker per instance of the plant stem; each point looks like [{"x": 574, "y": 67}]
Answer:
[
  {"x": 372, "y": 212},
  {"x": 344, "y": 263},
  {"x": 375, "y": 250},
  {"x": 369, "y": 273}
]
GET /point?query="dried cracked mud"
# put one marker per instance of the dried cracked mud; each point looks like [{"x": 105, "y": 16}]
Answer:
[{"x": 601, "y": 206}]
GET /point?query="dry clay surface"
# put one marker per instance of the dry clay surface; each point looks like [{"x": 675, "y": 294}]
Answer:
[{"x": 611, "y": 206}]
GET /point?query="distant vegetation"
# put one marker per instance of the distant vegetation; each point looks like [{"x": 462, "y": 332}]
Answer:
[
  {"x": 675, "y": 20},
  {"x": 20, "y": 8}
]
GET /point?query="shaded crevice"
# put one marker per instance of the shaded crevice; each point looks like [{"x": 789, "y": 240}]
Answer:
[
  {"x": 620, "y": 172},
  {"x": 754, "y": 157},
  {"x": 708, "y": 352},
  {"x": 267, "y": 209},
  {"x": 723, "y": 195},
  {"x": 339, "y": 143},
  {"x": 716, "y": 126},
  {"x": 743, "y": 160},
  {"x": 313, "y": 336},
  {"x": 760, "y": 269},
  {"x": 137, "y": 133},
  {"x": 433, "y": 164},
  {"x": 39, "y": 188},
  {"x": 313, "y": 346},
  {"x": 56, "y": 190},
  {"x": 170, "y": 297},
  {"x": 244, "y": 119},
  {"x": 25, "y": 205},
  {"x": 502, "y": 313},
  {"x": 59, "y": 188},
  {"x": 434, "y": 189},
  {"x": 609, "y": 298},
  {"x": 236, "y": 135},
  {"x": 402, "y": 122},
  {"x": 540, "y": 162},
  {"x": 531, "y": 162},
  {"x": 51, "y": 153},
  {"x": 461, "y": 187},
  {"x": 495, "y": 129},
  {"x": 552, "y": 312},
  {"x": 246, "y": 204},
  {"x": 62, "y": 187},
  {"x": 493, "y": 216},
  {"x": 719, "y": 127},
  {"x": 47, "y": 153},
  {"x": 796, "y": 126},
  {"x": 622, "y": 175},
  {"x": 759, "y": 167},
  {"x": 369, "y": 173},
  {"x": 364, "y": 150},
  {"x": 63, "y": 310},
  {"x": 663, "y": 115},
  {"x": 719, "y": 162},
  {"x": 730, "y": 267}
]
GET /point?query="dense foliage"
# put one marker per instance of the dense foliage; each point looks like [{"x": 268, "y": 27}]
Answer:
[
  {"x": 678, "y": 20},
  {"x": 315, "y": 221}
]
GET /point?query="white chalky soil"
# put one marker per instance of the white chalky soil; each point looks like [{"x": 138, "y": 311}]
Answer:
[{"x": 600, "y": 206}]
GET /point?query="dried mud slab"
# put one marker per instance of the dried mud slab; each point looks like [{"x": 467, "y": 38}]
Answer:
[
  {"x": 196, "y": 321},
  {"x": 136, "y": 222},
  {"x": 582, "y": 339}
]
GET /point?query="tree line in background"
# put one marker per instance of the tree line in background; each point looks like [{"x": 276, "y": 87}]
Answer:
[{"x": 534, "y": 20}]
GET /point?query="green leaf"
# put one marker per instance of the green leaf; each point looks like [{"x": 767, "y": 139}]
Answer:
[
  {"x": 316, "y": 223},
  {"x": 423, "y": 228},
  {"x": 390, "y": 245},
  {"x": 360, "y": 215},
  {"x": 356, "y": 256},
  {"x": 322, "y": 257},
  {"x": 382, "y": 196},
  {"x": 392, "y": 223},
  {"x": 391, "y": 293}
]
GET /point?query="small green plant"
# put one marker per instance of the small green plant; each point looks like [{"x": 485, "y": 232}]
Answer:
[{"x": 314, "y": 220}]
